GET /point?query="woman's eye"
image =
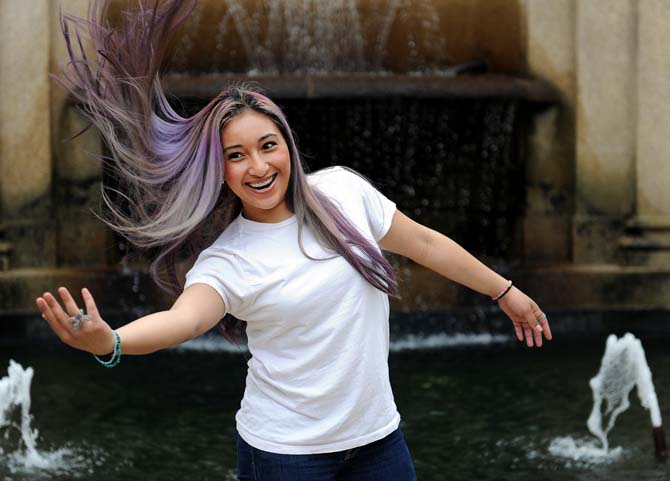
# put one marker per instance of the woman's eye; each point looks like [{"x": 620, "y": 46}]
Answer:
[
  {"x": 269, "y": 145},
  {"x": 234, "y": 156}
]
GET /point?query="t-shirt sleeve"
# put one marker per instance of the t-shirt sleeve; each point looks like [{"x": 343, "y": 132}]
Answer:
[
  {"x": 368, "y": 208},
  {"x": 220, "y": 273},
  {"x": 379, "y": 209}
]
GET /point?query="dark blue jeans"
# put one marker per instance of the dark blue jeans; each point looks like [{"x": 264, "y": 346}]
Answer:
[{"x": 385, "y": 460}]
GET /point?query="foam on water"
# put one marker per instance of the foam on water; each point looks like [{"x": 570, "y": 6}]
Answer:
[
  {"x": 433, "y": 341},
  {"x": 210, "y": 344},
  {"x": 409, "y": 342},
  {"x": 28, "y": 461},
  {"x": 583, "y": 451}
]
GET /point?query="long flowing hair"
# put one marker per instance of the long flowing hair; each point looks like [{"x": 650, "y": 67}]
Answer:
[{"x": 173, "y": 190}]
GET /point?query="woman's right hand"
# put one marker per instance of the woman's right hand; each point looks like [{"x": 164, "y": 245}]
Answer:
[{"x": 94, "y": 335}]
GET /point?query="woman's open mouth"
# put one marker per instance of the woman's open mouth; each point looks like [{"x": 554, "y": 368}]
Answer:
[{"x": 264, "y": 185}]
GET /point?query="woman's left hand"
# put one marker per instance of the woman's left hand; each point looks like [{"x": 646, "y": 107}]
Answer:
[{"x": 529, "y": 321}]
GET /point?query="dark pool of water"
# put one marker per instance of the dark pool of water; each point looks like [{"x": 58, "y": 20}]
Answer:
[{"x": 485, "y": 413}]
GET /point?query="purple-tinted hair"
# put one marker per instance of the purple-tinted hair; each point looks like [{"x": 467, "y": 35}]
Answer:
[{"x": 172, "y": 166}]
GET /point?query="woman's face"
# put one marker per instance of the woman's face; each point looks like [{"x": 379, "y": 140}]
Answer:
[{"x": 257, "y": 166}]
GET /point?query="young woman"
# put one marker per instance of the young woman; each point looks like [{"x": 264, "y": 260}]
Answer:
[{"x": 293, "y": 260}]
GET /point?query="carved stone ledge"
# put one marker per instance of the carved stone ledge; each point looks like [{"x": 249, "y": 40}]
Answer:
[{"x": 647, "y": 241}]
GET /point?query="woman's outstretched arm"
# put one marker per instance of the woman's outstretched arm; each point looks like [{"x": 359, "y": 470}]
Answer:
[
  {"x": 444, "y": 256},
  {"x": 197, "y": 310}
]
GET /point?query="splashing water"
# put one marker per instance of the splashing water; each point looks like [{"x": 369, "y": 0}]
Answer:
[
  {"x": 584, "y": 452},
  {"x": 15, "y": 395},
  {"x": 624, "y": 366}
]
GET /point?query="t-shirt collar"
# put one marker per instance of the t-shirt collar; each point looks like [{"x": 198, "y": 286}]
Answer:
[{"x": 253, "y": 226}]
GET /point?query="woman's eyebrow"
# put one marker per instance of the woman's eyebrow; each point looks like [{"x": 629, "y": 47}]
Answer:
[
  {"x": 266, "y": 136},
  {"x": 260, "y": 140}
]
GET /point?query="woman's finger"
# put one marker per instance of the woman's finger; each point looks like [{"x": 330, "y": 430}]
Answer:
[
  {"x": 91, "y": 308},
  {"x": 537, "y": 333},
  {"x": 535, "y": 328},
  {"x": 543, "y": 321},
  {"x": 546, "y": 329},
  {"x": 57, "y": 312},
  {"x": 70, "y": 304},
  {"x": 528, "y": 332},
  {"x": 48, "y": 316},
  {"x": 518, "y": 330}
]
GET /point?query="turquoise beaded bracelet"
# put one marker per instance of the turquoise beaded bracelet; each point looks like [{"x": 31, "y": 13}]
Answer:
[{"x": 116, "y": 354}]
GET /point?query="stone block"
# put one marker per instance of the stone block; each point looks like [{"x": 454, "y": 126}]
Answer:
[
  {"x": 653, "y": 109},
  {"x": 595, "y": 239},
  {"x": 550, "y": 43},
  {"x": 547, "y": 239},
  {"x": 25, "y": 150},
  {"x": 606, "y": 92},
  {"x": 79, "y": 159},
  {"x": 83, "y": 243},
  {"x": 33, "y": 242},
  {"x": 647, "y": 241}
]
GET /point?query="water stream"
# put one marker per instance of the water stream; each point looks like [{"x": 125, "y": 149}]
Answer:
[
  {"x": 623, "y": 367},
  {"x": 305, "y": 37},
  {"x": 18, "y": 445}
]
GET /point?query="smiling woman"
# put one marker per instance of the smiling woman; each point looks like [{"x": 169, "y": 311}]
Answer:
[
  {"x": 257, "y": 169},
  {"x": 297, "y": 257}
]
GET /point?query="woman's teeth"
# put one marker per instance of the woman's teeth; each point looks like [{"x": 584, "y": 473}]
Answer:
[{"x": 262, "y": 185}]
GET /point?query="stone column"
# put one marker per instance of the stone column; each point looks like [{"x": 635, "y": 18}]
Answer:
[
  {"x": 648, "y": 239},
  {"x": 550, "y": 28},
  {"x": 83, "y": 240},
  {"x": 606, "y": 127},
  {"x": 25, "y": 144}
]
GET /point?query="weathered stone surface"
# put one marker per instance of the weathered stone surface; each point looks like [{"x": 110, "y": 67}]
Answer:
[
  {"x": 605, "y": 128},
  {"x": 546, "y": 239},
  {"x": 57, "y": 59},
  {"x": 25, "y": 153},
  {"x": 562, "y": 286},
  {"x": 599, "y": 157},
  {"x": 550, "y": 43},
  {"x": 113, "y": 291},
  {"x": 84, "y": 242},
  {"x": 596, "y": 239},
  {"x": 33, "y": 242},
  {"x": 549, "y": 176},
  {"x": 653, "y": 82},
  {"x": 550, "y": 55},
  {"x": 648, "y": 236},
  {"x": 77, "y": 160}
]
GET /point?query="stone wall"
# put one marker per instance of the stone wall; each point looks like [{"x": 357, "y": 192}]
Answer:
[
  {"x": 607, "y": 143},
  {"x": 25, "y": 140},
  {"x": 598, "y": 202}
]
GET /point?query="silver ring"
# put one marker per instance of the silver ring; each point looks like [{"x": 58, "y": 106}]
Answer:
[
  {"x": 542, "y": 318},
  {"x": 78, "y": 319}
]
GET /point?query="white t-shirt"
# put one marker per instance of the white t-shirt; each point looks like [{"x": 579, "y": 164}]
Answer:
[{"x": 317, "y": 331}]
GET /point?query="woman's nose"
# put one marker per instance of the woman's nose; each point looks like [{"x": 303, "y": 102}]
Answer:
[{"x": 258, "y": 165}]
